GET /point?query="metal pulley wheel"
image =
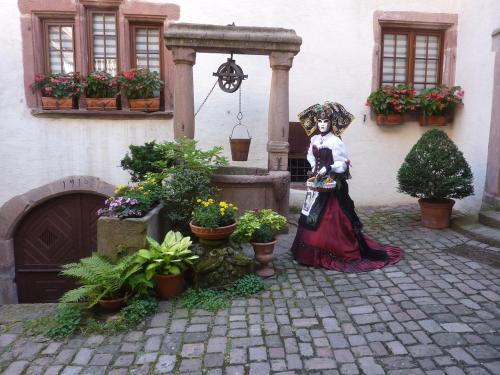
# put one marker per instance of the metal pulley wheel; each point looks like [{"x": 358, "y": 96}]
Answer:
[{"x": 230, "y": 76}]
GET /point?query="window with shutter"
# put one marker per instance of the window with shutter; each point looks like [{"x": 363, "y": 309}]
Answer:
[
  {"x": 411, "y": 57},
  {"x": 104, "y": 42},
  {"x": 59, "y": 47}
]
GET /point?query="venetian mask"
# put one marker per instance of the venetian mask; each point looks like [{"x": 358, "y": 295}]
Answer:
[{"x": 323, "y": 125}]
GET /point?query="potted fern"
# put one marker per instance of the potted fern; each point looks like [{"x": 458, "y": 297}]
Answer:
[
  {"x": 259, "y": 228},
  {"x": 435, "y": 171},
  {"x": 103, "y": 282},
  {"x": 166, "y": 262}
]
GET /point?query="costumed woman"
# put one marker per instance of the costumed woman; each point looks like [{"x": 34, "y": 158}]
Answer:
[{"x": 330, "y": 232}]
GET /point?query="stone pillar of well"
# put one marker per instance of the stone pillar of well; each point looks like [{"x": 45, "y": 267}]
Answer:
[
  {"x": 278, "y": 118},
  {"x": 492, "y": 185},
  {"x": 184, "y": 59}
]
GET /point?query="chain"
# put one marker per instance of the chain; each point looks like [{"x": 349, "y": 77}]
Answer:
[
  {"x": 240, "y": 114},
  {"x": 205, "y": 100}
]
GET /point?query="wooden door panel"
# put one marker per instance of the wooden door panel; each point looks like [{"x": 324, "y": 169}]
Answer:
[{"x": 59, "y": 231}]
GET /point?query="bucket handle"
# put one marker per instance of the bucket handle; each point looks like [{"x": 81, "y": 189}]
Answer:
[{"x": 234, "y": 127}]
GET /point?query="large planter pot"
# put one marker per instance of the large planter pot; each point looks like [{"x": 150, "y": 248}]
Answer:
[
  {"x": 438, "y": 120},
  {"x": 264, "y": 255},
  {"x": 169, "y": 286},
  {"x": 436, "y": 214},
  {"x": 219, "y": 233},
  {"x": 101, "y": 104},
  {"x": 145, "y": 105},
  {"x": 54, "y": 103},
  {"x": 125, "y": 236},
  {"x": 111, "y": 305},
  {"x": 389, "y": 120}
]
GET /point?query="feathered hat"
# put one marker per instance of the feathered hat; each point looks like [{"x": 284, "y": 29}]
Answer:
[{"x": 335, "y": 112}]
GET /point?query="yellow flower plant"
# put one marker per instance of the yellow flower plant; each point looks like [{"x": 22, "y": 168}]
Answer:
[{"x": 211, "y": 214}]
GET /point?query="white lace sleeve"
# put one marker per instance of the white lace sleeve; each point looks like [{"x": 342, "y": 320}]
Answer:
[
  {"x": 310, "y": 157},
  {"x": 339, "y": 154}
]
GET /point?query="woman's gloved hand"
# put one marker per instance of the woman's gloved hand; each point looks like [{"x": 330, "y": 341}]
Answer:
[{"x": 324, "y": 170}]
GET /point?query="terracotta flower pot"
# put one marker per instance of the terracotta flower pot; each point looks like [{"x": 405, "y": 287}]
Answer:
[
  {"x": 264, "y": 255},
  {"x": 101, "y": 104},
  {"x": 169, "y": 286},
  {"x": 389, "y": 120},
  {"x": 218, "y": 233},
  {"x": 145, "y": 105},
  {"x": 436, "y": 213},
  {"x": 438, "y": 120},
  {"x": 111, "y": 305},
  {"x": 54, "y": 103}
]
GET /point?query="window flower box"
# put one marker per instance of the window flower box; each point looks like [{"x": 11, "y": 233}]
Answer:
[
  {"x": 389, "y": 120},
  {"x": 57, "y": 103},
  {"x": 145, "y": 105},
  {"x": 437, "y": 104},
  {"x": 101, "y": 104},
  {"x": 390, "y": 103}
]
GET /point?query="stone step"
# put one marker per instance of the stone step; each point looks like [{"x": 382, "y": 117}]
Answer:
[
  {"x": 469, "y": 226},
  {"x": 490, "y": 218}
]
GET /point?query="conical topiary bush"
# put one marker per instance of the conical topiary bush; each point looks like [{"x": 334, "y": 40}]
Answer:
[{"x": 435, "y": 170}]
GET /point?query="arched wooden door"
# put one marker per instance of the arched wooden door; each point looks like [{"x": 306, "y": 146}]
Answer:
[{"x": 59, "y": 231}]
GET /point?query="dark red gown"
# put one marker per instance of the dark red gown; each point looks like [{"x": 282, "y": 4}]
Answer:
[{"x": 334, "y": 240}]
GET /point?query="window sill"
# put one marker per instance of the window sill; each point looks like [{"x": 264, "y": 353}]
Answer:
[{"x": 84, "y": 113}]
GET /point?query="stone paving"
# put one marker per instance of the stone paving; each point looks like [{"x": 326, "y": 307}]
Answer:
[{"x": 433, "y": 313}]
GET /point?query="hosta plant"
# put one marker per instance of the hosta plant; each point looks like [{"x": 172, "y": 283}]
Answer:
[
  {"x": 171, "y": 257},
  {"x": 99, "y": 279}
]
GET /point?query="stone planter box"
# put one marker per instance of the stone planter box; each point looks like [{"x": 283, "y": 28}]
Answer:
[{"x": 125, "y": 236}]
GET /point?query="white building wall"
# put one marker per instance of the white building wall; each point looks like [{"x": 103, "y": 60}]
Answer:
[{"x": 335, "y": 63}]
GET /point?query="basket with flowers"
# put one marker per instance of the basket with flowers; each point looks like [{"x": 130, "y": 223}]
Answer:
[{"x": 321, "y": 184}]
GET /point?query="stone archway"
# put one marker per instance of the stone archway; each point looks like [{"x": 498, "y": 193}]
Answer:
[
  {"x": 281, "y": 45},
  {"x": 14, "y": 210}
]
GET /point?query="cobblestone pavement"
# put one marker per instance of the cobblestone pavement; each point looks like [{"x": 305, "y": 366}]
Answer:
[{"x": 433, "y": 313}]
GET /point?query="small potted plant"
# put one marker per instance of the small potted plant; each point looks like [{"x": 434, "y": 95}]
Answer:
[
  {"x": 437, "y": 104},
  {"x": 101, "y": 89},
  {"x": 213, "y": 220},
  {"x": 390, "y": 103},
  {"x": 259, "y": 227},
  {"x": 103, "y": 282},
  {"x": 142, "y": 88},
  {"x": 58, "y": 91},
  {"x": 435, "y": 171},
  {"x": 166, "y": 263}
]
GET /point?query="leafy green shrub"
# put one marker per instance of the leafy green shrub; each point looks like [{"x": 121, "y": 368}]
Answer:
[
  {"x": 180, "y": 192},
  {"x": 65, "y": 322},
  {"x": 100, "y": 279},
  {"x": 141, "y": 160},
  {"x": 171, "y": 257},
  {"x": 213, "y": 300},
  {"x": 435, "y": 168},
  {"x": 258, "y": 226}
]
